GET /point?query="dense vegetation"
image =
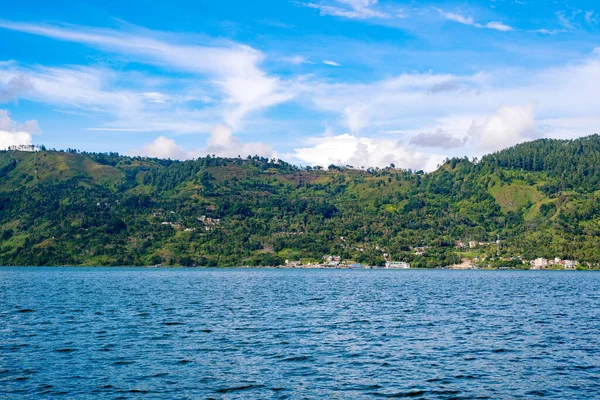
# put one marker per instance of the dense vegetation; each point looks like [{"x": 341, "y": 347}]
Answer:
[{"x": 540, "y": 199}]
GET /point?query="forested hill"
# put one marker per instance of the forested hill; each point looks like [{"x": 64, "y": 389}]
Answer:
[{"x": 540, "y": 199}]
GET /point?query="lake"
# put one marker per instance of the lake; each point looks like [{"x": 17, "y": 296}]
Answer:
[{"x": 267, "y": 333}]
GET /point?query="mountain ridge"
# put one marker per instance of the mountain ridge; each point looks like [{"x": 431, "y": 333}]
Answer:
[{"x": 539, "y": 198}]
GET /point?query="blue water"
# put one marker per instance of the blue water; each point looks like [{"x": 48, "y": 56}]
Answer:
[{"x": 246, "y": 334}]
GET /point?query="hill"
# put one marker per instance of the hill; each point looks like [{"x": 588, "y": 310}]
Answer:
[{"x": 539, "y": 199}]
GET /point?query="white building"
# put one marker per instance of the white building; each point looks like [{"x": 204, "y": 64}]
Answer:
[
  {"x": 539, "y": 263},
  {"x": 570, "y": 264},
  {"x": 397, "y": 265}
]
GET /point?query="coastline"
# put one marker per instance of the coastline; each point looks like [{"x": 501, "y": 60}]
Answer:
[{"x": 245, "y": 267}]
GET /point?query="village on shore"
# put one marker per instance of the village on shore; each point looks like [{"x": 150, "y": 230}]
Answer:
[
  {"x": 477, "y": 262},
  {"x": 337, "y": 263}
]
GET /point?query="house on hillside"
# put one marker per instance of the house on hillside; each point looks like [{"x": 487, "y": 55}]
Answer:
[
  {"x": 419, "y": 251},
  {"x": 332, "y": 261},
  {"x": 539, "y": 263}
]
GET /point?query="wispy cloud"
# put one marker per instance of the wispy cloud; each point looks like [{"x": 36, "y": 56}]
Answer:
[
  {"x": 591, "y": 17},
  {"x": 233, "y": 70},
  {"x": 14, "y": 86},
  {"x": 461, "y": 19},
  {"x": 352, "y": 9},
  {"x": 545, "y": 31},
  {"x": 297, "y": 60},
  {"x": 567, "y": 18},
  {"x": 467, "y": 20},
  {"x": 99, "y": 92},
  {"x": 332, "y": 63},
  {"x": 80, "y": 87},
  {"x": 498, "y": 26}
]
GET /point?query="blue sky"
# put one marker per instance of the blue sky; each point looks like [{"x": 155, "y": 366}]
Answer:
[{"x": 358, "y": 82}]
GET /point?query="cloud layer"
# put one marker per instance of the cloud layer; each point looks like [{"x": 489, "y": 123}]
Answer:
[{"x": 217, "y": 87}]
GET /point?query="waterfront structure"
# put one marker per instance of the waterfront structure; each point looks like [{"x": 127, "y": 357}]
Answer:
[{"x": 397, "y": 265}]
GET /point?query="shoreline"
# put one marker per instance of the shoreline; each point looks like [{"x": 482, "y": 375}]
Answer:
[{"x": 150, "y": 267}]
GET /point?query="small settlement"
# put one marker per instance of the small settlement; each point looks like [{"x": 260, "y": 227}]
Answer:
[
  {"x": 337, "y": 262},
  {"x": 543, "y": 263},
  {"x": 476, "y": 253}
]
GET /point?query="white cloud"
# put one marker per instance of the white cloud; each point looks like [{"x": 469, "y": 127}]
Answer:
[
  {"x": 357, "y": 116},
  {"x": 221, "y": 143},
  {"x": 13, "y": 133},
  {"x": 155, "y": 97},
  {"x": 8, "y": 139},
  {"x": 348, "y": 149},
  {"x": 510, "y": 125},
  {"x": 352, "y": 9},
  {"x": 163, "y": 147},
  {"x": 332, "y": 63}
]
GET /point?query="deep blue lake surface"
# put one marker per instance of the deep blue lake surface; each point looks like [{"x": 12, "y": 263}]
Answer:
[{"x": 209, "y": 333}]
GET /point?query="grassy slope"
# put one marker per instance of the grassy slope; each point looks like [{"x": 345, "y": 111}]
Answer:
[{"x": 35, "y": 168}]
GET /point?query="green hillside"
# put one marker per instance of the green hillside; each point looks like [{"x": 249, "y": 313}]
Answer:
[{"x": 541, "y": 199}]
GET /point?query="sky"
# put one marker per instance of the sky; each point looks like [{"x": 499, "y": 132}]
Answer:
[{"x": 364, "y": 83}]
